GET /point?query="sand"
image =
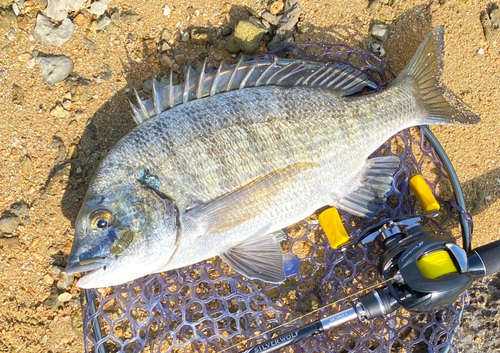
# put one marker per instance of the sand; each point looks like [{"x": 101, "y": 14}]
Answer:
[{"x": 35, "y": 166}]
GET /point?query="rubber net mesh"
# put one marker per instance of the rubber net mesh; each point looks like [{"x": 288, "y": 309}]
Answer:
[{"x": 208, "y": 307}]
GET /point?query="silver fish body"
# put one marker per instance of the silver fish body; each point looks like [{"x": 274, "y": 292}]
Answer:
[{"x": 221, "y": 175}]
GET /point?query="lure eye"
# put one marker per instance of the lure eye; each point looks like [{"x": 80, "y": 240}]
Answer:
[{"x": 101, "y": 219}]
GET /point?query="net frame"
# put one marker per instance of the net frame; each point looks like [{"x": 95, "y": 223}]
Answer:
[{"x": 208, "y": 307}]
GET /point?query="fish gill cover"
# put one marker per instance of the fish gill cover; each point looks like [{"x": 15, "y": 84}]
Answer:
[{"x": 208, "y": 307}]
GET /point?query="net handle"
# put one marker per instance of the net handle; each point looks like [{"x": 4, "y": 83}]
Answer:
[{"x": 455, "y": 183}]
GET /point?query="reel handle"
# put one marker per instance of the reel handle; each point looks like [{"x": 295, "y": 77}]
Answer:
[{"x": 485, "y": 260}]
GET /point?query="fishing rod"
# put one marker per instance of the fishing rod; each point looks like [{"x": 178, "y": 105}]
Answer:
[{"x": 423, "y": 272}]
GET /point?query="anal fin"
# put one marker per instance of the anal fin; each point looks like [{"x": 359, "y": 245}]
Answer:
[
  {"x": 374, "y": 183},
  {"x": 258, "y": 257}
]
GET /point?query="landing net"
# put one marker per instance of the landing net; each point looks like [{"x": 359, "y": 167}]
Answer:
[{"x": 208, "y": 307}]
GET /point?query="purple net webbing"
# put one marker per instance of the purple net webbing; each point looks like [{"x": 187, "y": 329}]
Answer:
[{"x": 208, "y": 307}]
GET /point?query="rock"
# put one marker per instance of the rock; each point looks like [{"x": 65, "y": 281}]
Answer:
[
  {"x": 285, "y": 24},
  {"x": 26, "y": 165},
  {"x": 17, "y": 94},
  {"x": 226, "y": 31},
  {"x": 82, "y": 21},
  {"x": 377, "y": 48},
  {"x": 248, "y": 36},
  {"x": 166, "y": 35},
  {"x": 79, "y": 89},
  {"x": 20, "y": 208},
  {"x": 60, "y": 112},
  {"x": 166, "y": 11},
  {"x": 7, "y": 17},
  {"x": 56, "y": 10},
  {"x": 381, "y": 31},
  {"x": 65, "y": 280},
  {"x": 77, "y": 323},
  {"x": 112, "y": 28},
  {"x": 180, "y": 59},
  {"x": 129, "y": 17},
  {"x": 52, "y": 302},
  {"x": 46, "y": 31},
  {"x": 75, "y": 5},
  {"x": 185, "y": 36},
  {"x": 9, "y": 224},
  {"x": 103, "y": 22},
  {"x": 15, "y": 8},
  {"x": 201, "y": 36},
  {"x": 98, "y": 7},
  {"x": 232, "y": 45},
  {"x": 164, "y": 46},
  {"x": 55, "y": 68},
  {"x": 165, "y": 62},
  {"x": 374, "y": 5},
  {"x": 275, "y": 7}
]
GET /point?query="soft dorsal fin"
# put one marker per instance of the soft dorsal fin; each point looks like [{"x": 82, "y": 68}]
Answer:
[{"x": 261, "y": 71}]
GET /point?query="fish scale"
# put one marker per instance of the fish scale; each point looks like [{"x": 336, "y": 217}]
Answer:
[{"x": 221, "y": 163}]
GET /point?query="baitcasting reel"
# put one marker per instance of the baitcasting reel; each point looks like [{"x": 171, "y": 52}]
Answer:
[{"x": 423, "y": 271}]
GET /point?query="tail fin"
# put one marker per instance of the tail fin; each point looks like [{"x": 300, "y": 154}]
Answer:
[{"x": 425, "y": 68}]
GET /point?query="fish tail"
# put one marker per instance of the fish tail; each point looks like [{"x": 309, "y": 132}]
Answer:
[{"x": 424, "y": 72}]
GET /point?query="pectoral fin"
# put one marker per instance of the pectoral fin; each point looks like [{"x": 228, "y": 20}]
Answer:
[
  {"x": 258, "y": 257},
  {"x": 247, "y": 202},
  {"x": 374, "y": 182}
]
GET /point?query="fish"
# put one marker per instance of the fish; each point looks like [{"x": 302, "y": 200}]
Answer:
[{"x": 219, "y": 165}]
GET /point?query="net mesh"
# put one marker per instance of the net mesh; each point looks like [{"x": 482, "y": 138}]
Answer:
[{"x": 208, "y": 307}]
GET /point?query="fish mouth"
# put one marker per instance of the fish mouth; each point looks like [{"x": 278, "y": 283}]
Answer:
[{"x": 86, "y": 265}]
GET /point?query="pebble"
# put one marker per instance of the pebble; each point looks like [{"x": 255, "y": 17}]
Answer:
[
  {"x": 377, "y": 48},
  {"x": 55, "y": 68},
  {"x": 9, "y": 224},
  {"x": 47, "y": 33},
  {"x": 17, "y": 94},
  {"x": 166, "y": 62},
  {"x": 248, "y": 36},
  {"x": 66, "y": 104},
  {"x": 60, "y": 112},
  {"x": 381, "y": 31},
  {"x": 56, "y": 10},
  {"x": 75, "y": 5},
  {"x": 65, "y": 280},
  {"x": 52, "y": 302},
  {"x": 164, "y": 46},
  {"x": 15, "y": 9},
  {"x": 79, "y": 89},
  {"x": 226, "y": 31},
  {"x": 20, "y": 208},
  {"x": 374, "y": 5},
  {"x": 64, "y": 297},
  {"x": 129, "y": 17},
  {"x": 495, "y": 18},
  {"x": 48, "y": 280},
  {"x": 201, "y": 36},
  {"x": 82, "y": 21},
  {"x": 185, "y": 36},
  {"x": 180, "y": 59},
  {"x": 480, "y": 51},
  {"x": 166, "y": 35},
  {"x": 103, "y": 22},
  {"x": 487, "y": 197},
  {"x": 112, "y": 28},
  {"x": 77, "y": 323},
  {"x": 98, "y": 7},
  {"x": 31, "y": 63},
  {"x": 26, "y": 165},
  {"x": 166, "y": 11}
]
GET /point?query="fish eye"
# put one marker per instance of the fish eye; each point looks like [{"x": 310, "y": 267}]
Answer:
[{"x": 101, "y": 219}]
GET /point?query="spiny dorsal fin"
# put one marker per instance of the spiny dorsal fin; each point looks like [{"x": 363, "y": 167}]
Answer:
[{"x": 261, "y": 71}]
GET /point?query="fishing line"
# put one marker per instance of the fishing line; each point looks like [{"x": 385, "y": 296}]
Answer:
[{"x": 310, "y": 313}]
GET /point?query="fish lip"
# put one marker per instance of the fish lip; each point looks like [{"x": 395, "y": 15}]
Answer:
[{"x": 77, "y": 267}]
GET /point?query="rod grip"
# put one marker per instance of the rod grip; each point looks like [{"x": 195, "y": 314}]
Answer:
[{"x": 490, "y": 255}]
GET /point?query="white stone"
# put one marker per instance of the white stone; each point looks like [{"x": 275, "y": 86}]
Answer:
[
  {"x": 64, "y": 297},
  {"x": 98, "y": 7},
  {"x": 166, "y": 11},
  {"x": 55, "y": 68},
  {"x": 46, "y": 31},
  {"x": 480, "y": 51},
  {"x": 15, "y": 8},
  {"x": 75, "y": 5},
  {"x": 381, "y": 31},
  {"x": 56, "y": 9}
]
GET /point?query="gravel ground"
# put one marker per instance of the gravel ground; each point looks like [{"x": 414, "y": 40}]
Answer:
[{"x": 63, "y": 104}]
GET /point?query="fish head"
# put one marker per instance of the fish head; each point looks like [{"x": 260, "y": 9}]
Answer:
[{"x": 127, "y": 234}]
